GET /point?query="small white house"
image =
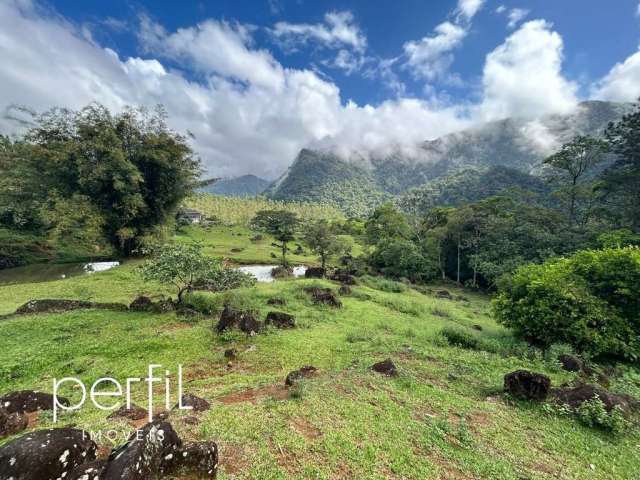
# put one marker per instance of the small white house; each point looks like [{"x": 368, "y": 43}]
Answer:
[{"x": 193, "y": 216}]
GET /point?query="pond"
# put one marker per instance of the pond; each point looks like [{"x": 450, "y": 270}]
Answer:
[
  {"x": 45, "y": 272},
  {"x": 263, "y": 272}
]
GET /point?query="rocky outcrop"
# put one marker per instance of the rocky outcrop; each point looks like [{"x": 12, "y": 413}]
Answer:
[
  {"x": 571, "y": 363},
  {"x": 324, "y": 296},
  {"x": 27, "y": 401},
  {"x": 134, "y": 412},
  {"x": 386, "y": 367},
  {"x": 245, "y": 321},
  {"x": 315, "y": 272},
  {"x": 527, "y": 385},
  {"x": 300, "y": 374},
  {"x": 46, "y": 454},
  {"x": 199, "y": 458},
  {"x": 61, "y": 305},
  {"x": 280, "y": 320},
  {"x": 197, "y": 404},
  {"x": 576, "y": 396},
  {"x": 143, "y": 454},
  {"x": 12, "y": 423}
]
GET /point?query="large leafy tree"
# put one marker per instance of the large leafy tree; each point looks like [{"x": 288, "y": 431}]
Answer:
[
  {"x": 387, "y": 222},
  {"x": 279, "y": 223},
  {"x": 571, "y": 168},
  {"x": 133, "y": 169},
  {"x": 621, "y": 181}
]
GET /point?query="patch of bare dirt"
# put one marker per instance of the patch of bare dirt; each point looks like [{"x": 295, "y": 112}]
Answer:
[
  {"x": 233, "y": 459},
  {"x": 252, "y": 395},
  {"x": 305, "y": 428}
]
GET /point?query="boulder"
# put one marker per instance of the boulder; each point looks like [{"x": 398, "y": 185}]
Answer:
[
  {"x": 477, "y": 327},
  {"x": 134, "y": 412},
  {"x": 276, "y": 301},
  {"x": 61, "y": 305},
  {"x": 141, "y": 303},
  {"x": 88, "y": 471},
  {"x": 196, "y": 403},
  {"x": 280, "y": 320},
  {"x": 315, "y": 272},
  {"x": 281, "y": 272},
  {"x": 344, "y": 290},
  {"x": 574, "y": 397},
  {"x": 245, "y": 321},
  {"x": 12, "y": 423},
  {"x": 249, "y": 324},
  {"x": 231, "y": 353},
  {"x": 27, "y": 401},
  {"x": 344, "y": 278},
  {"x": 527, "y": 385},
  {"x": 386, "y": 367},
  {"x": 199, "y": 459},
  {"x": 229, "y": 318},
  {"x": 142, "y": 456},
  {"x": 300, "y": 374},
  {"x": 444, "y": 294},
  {"x": 324, "y": 296},
  {"x": 45, "y": 454},
  {"x": 256, "y": 238},
  {"x": 571, "y": 363},
  {"x": 145, "y": 304}
]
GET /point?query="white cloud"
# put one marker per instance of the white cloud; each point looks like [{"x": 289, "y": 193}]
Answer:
[
  {"x": 430, "y": 57},
  {"x": 516, "y": 15},
  {"x": 468, "y": 8},
  {"x": 248, "y": 113},
  {"x": 622, "y": 83},
  {"x": 523, "y": 76},
  {"x": 501, "y": 9},
  {"x": 338, "y": 30},
  {"x": 638, "y": 10},
  {"x": 214, "y": 47}
]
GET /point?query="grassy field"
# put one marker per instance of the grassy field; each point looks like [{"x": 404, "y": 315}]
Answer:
[
  {"x": 443, "y": 417},
  {"x": 235, "y": 244}
]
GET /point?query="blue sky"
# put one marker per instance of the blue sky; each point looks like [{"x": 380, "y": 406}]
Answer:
[{"x": 257, "y": 80}]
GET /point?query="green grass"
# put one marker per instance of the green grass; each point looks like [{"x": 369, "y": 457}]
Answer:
[
  {"x": 443, "y": 417},
  {"x": 235, "y": 244}
]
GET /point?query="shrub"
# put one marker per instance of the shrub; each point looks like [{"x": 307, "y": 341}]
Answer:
[
  {"x": 594, "y": 414},
  {"x": 590, "y": 301},
  {"x": 459, "y": 337}
]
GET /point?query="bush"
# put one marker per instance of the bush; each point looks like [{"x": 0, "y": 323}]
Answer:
[
  {"x": 590, "y": 301},
  {"x": 459, "y": 338},
  {"x": 594, "y": 414}
]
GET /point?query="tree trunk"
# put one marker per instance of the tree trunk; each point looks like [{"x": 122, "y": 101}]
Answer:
[
  {"x": 284, "y": 254},
  {"x": 181, "y": 294},
  {"x": 458, "y": 266},
  {"x": 324, "y": 263}
]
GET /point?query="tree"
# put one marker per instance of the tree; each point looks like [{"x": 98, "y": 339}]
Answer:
[
  {"x": 621, "y": 181},
  {"x": 185, "y": 267},
  {"x": 131, "y": 166},
  {"x": 572, "y": 165},
  {"x": 279, "y": 223},
  {"x": 386, "y": 222},
  {"x": 323, "y": 241},
  {"x": 589, "y": 300}
]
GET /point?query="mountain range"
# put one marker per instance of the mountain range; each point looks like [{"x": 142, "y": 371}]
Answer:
[
  {"x": 358, "y": 184},
  {"x": 243, "y": 186}
]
